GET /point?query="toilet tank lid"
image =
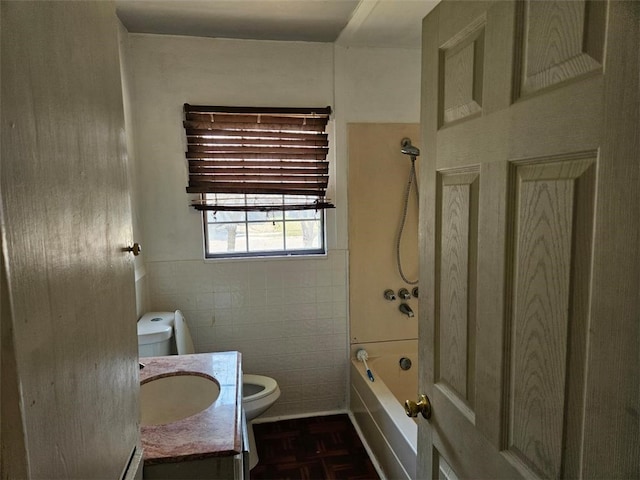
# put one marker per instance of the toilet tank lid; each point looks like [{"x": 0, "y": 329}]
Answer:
[{"x": 155, "y": 327}]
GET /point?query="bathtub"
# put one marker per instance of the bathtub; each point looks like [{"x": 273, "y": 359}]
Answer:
[{"x": 378, "y": 406}]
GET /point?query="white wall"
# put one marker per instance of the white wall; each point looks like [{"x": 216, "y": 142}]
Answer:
[{"x": 288, "y": 317}]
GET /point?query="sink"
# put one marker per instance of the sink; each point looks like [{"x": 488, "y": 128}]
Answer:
[{"x": 170, "y": 398}]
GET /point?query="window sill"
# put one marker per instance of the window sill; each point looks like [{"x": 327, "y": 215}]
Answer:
[{"x": 269, "y": 258}]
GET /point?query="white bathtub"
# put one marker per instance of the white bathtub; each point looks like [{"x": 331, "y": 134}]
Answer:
[{"x": 378, "y": 406}]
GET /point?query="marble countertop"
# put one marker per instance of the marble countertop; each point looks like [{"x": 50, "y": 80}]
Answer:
[{"x": 213, "y": 432}]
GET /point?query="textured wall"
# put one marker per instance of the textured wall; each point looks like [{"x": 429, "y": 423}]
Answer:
[{"x": 378, "y": 177}]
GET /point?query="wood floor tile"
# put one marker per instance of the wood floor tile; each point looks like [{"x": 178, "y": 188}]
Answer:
[{"x": 315, "y": 448}]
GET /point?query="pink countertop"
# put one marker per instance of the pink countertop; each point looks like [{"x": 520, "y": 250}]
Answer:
[{"x": 214, "y": 432}]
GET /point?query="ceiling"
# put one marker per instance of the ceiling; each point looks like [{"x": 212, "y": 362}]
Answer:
[{"x": 350, "y": 23}]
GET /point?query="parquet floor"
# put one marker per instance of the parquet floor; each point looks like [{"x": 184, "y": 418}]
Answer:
[{"x": 316, "y": 448}]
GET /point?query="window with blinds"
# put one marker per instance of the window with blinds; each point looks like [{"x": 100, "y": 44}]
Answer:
[{"x": 262, "y": 175}]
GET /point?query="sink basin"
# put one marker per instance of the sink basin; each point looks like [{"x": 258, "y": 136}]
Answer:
[{"x": 171, "y": 398}]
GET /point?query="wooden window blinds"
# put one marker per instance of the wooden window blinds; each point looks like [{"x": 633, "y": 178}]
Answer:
[{"x": 246, "y": 150}]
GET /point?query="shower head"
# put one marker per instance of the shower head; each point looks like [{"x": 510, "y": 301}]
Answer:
[{"x": 409, "y": 149}]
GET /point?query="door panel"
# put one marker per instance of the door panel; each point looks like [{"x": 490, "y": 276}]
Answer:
[
  {"x": 461, "y": 63},
  {"x": 457, "y": 258},
  {"x": 559, "y": 41},
  {"x": 551, "y": 245},
  {"x": 530, "y": 152},
  {"x": 441, "y": 469}
]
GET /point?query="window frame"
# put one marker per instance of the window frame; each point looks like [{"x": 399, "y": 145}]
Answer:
[{"x": 315, "y": 252}]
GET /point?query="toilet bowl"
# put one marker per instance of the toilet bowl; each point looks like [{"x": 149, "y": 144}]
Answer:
[
  {"x": 258, "y": 394},
  {"x": 165, "y": 333}
]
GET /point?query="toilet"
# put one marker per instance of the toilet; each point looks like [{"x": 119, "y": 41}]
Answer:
[{"x": 167, "y": 333}]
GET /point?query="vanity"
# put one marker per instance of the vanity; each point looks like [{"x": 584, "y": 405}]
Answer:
[{"x": 192, "y": 423}]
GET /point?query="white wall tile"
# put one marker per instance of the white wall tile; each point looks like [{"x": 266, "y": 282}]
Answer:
[
  {"x": 272, "y": 313},
  {"x": 324, "y": 294},
  {"x": 275, "y": 296},
  {"x": 162, "y": 302},
  {"x": 257, "y": 297},
  {"x": 340, "y": 309},
  {"x": 222, "y": 299},
  {"x": 324, "y": 278},
  {"x": 274, "y": 275},
  {"x": 338, "y": 277},
  {"x": 339, "y": 294},
  {"x": 186, "y": 301},
  {"x": 340, "y": 326},
  {"x": 199, "y": 317},
  {"x": 205, "y": 301},
  {"x": 223, "y": 316},
  {"x": 239, "y": 299},
  {"x": 296, "y": 295},
  {"x": 204, "y": 335},
  {"x": 324, "y": 310}
]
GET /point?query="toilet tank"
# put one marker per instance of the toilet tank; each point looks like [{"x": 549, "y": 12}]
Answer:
[{"x": 155, "y": 330}]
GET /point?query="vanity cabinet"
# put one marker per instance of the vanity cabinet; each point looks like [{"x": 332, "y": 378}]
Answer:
[
  {"x": 212, "y": 444},
  {"x": 234, "y": 467},
  {"x": 208, "y": 468}
]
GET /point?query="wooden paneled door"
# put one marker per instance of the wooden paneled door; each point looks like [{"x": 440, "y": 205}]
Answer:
[{"x": 529, "y": 240}]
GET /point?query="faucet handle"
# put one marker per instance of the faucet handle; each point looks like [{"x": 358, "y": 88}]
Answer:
[
  {"x": 389, "y": 295},
  {"x": 404, "y": 294}
]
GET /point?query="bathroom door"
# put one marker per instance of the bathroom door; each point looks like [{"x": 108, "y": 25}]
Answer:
[
  {"x": 66, "y": 218},
  {"x": 530, "y": 199}
]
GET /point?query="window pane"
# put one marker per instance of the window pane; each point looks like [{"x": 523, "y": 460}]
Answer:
[
  {"x": 227, "y": 238},
  {"x": 233, "y": 199},
  {"x": 264, "y": 216},
  {"x": 255, "y": 199},
  {"x": 302, "y": 214},
  {"x": 303, "y": 235},
  {"x": 222, "y": 217},
  {"x": 226, "y": 198},
  {"x": 266, "y": 199},
  {"x": 266, "y": 236},
  {"x": 293, "y": 199}
]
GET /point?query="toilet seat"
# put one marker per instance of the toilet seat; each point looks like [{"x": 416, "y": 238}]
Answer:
[
  {"x": 184, "y": 342},
  {"x": 269, "y": 386}
]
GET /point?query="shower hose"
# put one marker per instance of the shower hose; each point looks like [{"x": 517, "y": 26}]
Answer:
[{"x": 412, "y": 177}]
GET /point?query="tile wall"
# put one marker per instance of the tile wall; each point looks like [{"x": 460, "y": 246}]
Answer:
[{"x": 287, "y": 317}]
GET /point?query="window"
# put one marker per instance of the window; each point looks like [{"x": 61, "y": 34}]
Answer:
[
  {"x": 247, "y": 233},
  {"x": 262, "y": 175}
]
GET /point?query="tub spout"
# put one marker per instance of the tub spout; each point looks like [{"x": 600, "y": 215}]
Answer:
[{"x": 406, "y": 309}]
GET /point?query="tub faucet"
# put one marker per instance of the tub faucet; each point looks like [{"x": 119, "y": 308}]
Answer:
[{"x": 406, "y": 309}]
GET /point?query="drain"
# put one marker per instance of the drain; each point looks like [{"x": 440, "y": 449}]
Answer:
[{"x": 405, "y": 363}]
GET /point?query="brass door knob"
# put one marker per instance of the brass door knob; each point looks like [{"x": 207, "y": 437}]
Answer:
[
  {"x": 423, "y": 406},
  {"x": 135, "y": 249}
]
